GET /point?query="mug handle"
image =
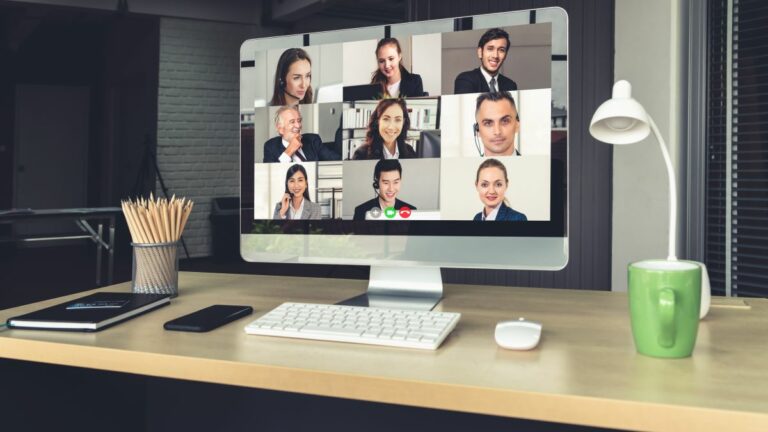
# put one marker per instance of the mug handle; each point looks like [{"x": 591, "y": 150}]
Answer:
[{"x": 667, "y": 317}]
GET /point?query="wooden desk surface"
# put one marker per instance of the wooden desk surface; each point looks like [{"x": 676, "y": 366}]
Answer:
[{"x": 584, "y": 371}]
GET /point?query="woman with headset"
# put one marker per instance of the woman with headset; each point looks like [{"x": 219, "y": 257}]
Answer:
[
  {"x": 295, "y": 203},
  {"x": 394, "y": 78},
  {"x": 387, "y": 131},
  {"x": 491, "y": 183},
  {"x": 293, "y": 78}
]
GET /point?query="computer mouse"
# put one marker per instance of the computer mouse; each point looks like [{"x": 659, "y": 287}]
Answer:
[{"x": 519, "y": 334}]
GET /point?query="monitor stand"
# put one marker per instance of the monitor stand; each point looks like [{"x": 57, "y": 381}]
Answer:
[{"x": 419, "y": 288}]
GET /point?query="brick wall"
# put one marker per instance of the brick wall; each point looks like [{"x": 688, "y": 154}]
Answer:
[{"x": 198, "y": 117}]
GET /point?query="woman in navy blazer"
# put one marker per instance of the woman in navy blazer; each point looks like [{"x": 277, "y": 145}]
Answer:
[
  {"x": 394, "y": 78},
  {"x": 491, "y": 184}
]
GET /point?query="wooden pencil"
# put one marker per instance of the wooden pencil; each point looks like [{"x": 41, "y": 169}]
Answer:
[{"x": 156, "y": 221}]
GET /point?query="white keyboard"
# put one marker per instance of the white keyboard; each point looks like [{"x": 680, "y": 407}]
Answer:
[{"x": 364, "y": 325}]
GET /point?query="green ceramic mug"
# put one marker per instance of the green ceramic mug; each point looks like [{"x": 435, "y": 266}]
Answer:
[{"x": 664, "y": 304}]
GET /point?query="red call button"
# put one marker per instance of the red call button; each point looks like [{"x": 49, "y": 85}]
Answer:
[{"x": 405, "y": 212}]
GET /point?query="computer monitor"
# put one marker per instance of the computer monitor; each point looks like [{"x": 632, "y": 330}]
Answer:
[
  {"x": 472, "y": 176},
  {"x": 362, "y": 92},
  {"x": 429, "y": 144}
]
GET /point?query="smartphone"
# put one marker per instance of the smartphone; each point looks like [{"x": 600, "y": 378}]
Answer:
[{"x": 208, "y": 318}]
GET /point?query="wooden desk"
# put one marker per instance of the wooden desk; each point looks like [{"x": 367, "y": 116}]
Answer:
[{"x": 585, "y": 370}]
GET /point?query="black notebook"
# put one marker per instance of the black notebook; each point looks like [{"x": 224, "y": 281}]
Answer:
[{"x": 90, "y": 313}]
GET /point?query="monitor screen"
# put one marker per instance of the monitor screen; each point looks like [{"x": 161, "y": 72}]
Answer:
[{"x": 407, "y": 144}]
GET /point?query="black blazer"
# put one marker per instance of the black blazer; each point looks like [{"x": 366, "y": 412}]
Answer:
[
  {"x": 411, "y": 86},
  {"x": 311, "y": 145},
  {"x": 474, "y": 82},
  {"x": 371, "y": 204},
  {"x": 406, "y": 152}
]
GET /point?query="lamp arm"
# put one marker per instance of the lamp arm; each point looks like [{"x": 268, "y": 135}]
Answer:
[{"x": 672, "y": 189}]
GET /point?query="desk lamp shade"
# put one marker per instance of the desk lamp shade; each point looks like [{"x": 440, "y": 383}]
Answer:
[{"x": 621, "y": 119}]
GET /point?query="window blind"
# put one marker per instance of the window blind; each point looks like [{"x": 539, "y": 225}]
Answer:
[{"x": 736, "y": 237}]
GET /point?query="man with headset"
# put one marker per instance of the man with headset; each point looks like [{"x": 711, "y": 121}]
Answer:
[
  {"x": 291, "y": 145},
  {"x": 386, "y": 183},
  {"x": 496, "y": 124}
]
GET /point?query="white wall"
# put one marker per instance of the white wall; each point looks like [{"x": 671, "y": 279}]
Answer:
[
  {"x": 651, "y": 62},
  {"x": 359, "y": 61},
  {"x": 424, "y": 58}
]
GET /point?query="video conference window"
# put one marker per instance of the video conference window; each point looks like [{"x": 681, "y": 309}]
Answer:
[
  {"x": 498, "y": 59},
  {"x": 303, "y": 75},
  {"x": 501, "y": 124},
  {"x": 297, "y": 133},
  {"x": 303, "y": 190},
  {"x": 398, "y": 128},
  {"x": 394, "y": 190},
  {"x": 373, "y": 130}
]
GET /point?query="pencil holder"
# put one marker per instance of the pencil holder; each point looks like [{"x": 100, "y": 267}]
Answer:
[{"x": 155, "y": 268}]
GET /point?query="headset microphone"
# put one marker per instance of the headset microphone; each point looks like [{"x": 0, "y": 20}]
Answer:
[
  {"x": 292, "y": 95},
  {"x": 375, "y": 183},
  {"x": 476, "y": 130},
  {"x": 285, "y": 90}
]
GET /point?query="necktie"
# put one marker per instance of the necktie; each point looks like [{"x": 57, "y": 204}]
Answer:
[
  {"x": 300, "y": 156},
  {"x": 493, "y": 85}
]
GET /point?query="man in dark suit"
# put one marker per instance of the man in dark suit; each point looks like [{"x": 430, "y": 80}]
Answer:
[
  {"x": 491, "y": 50},
  {"x": 293, "y": 146},
  {"x": 386, "y": 183}
]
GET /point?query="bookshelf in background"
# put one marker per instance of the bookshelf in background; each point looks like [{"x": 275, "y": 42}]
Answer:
[{"x": 329, "y": 190}]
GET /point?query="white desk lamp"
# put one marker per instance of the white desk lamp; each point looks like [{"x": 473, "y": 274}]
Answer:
[{"x": 622, "y": 120}]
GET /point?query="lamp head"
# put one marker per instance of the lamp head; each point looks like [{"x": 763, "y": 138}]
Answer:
[{"x": 621, "y": 119}]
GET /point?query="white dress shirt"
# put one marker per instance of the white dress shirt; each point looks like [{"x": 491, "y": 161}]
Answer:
[
  {"x": 394, "y": 89},
  {"x": 488, "y": 77},
  {"x": 492, "y": 215},
  {"x": 295, "y": 214},
  {"x": 285, "y": 158},
  {"x": 388, "y": 155}
]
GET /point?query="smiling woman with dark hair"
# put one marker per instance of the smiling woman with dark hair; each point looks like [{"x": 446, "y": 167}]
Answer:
[
  {"x": 387, "y": 130},
  {"x": 295, "y": 203}
]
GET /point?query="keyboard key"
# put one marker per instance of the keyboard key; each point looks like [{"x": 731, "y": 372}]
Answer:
[{"x": 331, "y": 331}]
